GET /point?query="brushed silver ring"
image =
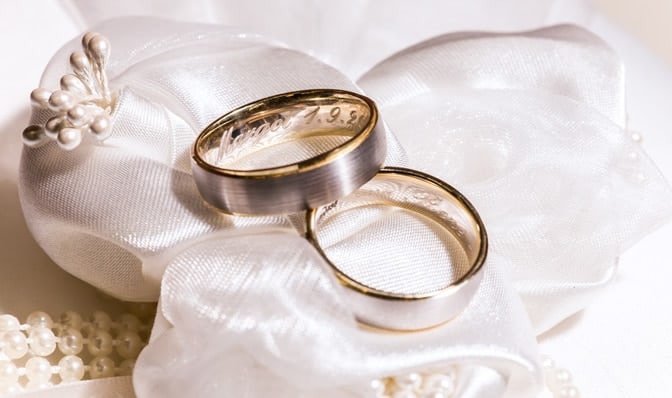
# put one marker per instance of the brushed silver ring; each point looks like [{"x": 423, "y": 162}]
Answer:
[
  {"x": 436, "y": 200},
  {"x": 291, "y": 187}
]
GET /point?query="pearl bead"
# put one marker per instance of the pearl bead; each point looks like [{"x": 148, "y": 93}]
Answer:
[
  {"x": 547, "y": 362},
  {"x": 100, "y": 127},
  {"x": 9, "y": 323},
  {"x": 53, "y": 126},
  {"x": 71, "y": 368},
  {"x": 568, "y": 392},
  {"x": 71, "y": 342},
  {"x": 78, "y": 115},
  {"x": 377, "y": 388},
  {"x": 80, "y": 64},
  {"x": 440, "y": 383},
  {"x": 409, "y": 381},
  {"x": 101, "y": 367},
  {"x": 129, "y": 344},
  {"x": 15, "y": 345},
  {"x": 38, "y": 370},
  {"x": 100, "y": 343},
  {"x": 633, "y": 156},
  {"x": 71, "y": 319},
  {"x": 61, "y": 101},
  {"x": 126, "y": 367},
  {"x": 8, "y": 372},
  {"x": 34, "y": 136},
  {"x": 99, "y": 50},
  {"x": 39, "y": 319},
  {"x": 74, "y": 85},
  {"x": 562, "y": 377},
  {"x": 86, "y": 38},
  {"x": 101, "y": 320},
  {"x": 129, "y": 322},
  {"x": 40, "y": 97},
  {"x": 557, "y": 378},
  {"x": 69, "y": 138},
  {"x": 87, "y": 329},
  {"x": 42, "y": 341}
]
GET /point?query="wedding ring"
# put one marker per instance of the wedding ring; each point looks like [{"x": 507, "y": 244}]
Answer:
[
  {"x": 241, "y": 163},
  {"x": 425, "y": 284}
]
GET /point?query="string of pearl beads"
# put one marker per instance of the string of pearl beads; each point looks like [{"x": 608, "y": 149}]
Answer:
[
  {"x": 443, "y": 383},
  {"x": 440, "y": 383},
  {"x": 558, "y": 380},
  {"x": 40, "y": 353},
  {"x": 83, "y": 103}
]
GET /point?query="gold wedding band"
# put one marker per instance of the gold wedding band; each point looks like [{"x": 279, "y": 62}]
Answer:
[
  {"x": 295, "y": 186},
  {"x": 432, "y": 200}
]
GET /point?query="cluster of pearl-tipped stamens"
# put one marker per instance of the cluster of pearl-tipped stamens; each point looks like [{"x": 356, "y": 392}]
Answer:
[
  {"x": 41, "y": 353},
  {"x": 436, "y": 384},
  {"x": 84, "y": 102}
]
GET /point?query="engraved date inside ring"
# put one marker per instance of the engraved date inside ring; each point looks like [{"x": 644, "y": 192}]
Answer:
[{"x": 289, "y": 152}]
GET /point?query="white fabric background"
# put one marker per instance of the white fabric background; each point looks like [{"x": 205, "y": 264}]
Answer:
[{"x": 619, "y": 346}]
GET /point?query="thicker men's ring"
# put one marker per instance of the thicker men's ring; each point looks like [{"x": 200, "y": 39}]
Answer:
[
  {"x": 290, "y": 187},
  {"x": 432, "y": 200}
]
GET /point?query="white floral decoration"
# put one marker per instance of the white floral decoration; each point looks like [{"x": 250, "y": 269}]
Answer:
[{"x": 84, "y": 102}]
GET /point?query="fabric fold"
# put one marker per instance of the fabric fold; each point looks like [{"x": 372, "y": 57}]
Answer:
[
  {"x": 531, "y": 127},
  {"x": 268, "y": 306}
]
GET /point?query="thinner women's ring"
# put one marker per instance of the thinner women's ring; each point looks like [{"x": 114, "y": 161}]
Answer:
[
  {"x": 342, "y": 146},
  {"x": 376, "y": 295}
]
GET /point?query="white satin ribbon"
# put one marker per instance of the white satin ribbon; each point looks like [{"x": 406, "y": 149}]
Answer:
[
  {"x": 264, "y": 311},
  {"x": 529, "y": 126}
]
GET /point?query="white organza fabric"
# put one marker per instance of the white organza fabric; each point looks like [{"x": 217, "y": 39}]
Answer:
[{"x": 529, "y": 126}]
